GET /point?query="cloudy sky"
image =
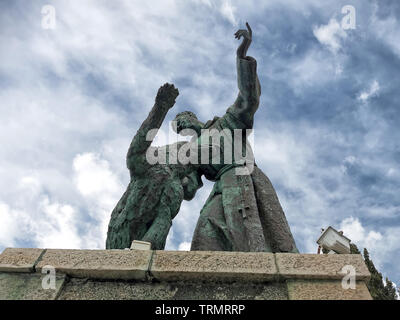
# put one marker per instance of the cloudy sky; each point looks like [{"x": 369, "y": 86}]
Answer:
[{"x": 73, "y": 96}]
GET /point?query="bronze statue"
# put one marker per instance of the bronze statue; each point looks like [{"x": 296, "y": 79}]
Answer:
[
  {"x": 155, "y": 192},
  {"x": 243, "y": 212}
]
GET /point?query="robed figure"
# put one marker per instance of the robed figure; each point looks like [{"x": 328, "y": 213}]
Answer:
[{"x": 243, "y": 212}]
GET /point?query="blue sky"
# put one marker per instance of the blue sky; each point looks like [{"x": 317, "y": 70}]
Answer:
[{"x": 326, "y": 132}]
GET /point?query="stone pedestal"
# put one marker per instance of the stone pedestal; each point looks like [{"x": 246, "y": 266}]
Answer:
[{"x": 147, "y": 274}]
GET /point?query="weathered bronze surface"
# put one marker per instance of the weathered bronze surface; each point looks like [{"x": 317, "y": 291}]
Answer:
[
  {"x": 155, "y": 192},
  {"x": 242, "y": 213}
]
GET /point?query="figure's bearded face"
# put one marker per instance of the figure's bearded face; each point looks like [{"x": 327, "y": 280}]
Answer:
[{"x": 191, "y": 183}]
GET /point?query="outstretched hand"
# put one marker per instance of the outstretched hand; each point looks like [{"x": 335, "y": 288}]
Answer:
[
  {"x": 166, "y": 95},
  {"x": 247, "y": 37},
  {"x": 247, "y": 34}
]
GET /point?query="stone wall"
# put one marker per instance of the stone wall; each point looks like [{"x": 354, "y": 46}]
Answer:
[{"x": 147, "y": 274}]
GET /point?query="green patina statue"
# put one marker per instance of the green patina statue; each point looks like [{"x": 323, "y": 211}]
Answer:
[
  {"x": 243, "y": 212},
  {"x": 156, "y": 191}
]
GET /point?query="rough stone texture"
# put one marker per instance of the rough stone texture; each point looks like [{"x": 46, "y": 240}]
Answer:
[
  {"x": 119, "y": 274},
  {"x": 98, "y": 264},
  {"x": 325, "y": 290},
  {"x": 323, "y": 266},
  {"x": 213, "y": 266},
  {"x": 17, "y": 286},
  {"x": 126, "y": 290},
  {"x": 19, "y": 260}
]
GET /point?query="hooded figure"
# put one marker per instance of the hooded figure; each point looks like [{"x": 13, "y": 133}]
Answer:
[{"x": 243, "y": 212}]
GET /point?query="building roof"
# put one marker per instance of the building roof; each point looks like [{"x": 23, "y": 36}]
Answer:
[{"x": 326, "y": 230}]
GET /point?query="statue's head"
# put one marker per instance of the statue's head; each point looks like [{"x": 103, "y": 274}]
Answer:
[
  {"x": 191, "y": 183},
  {"x": 187, "y": 120},
  {"x": 188, "y": 173}
]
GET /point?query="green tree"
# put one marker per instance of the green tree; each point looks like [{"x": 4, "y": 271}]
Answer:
[
  {"x": 354, "y": 249},
  {"x": 390, "y": 290},
  {"x": 376, "y": 286}
]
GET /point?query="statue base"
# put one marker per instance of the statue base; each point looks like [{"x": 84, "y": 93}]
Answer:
[{"x": 147, "y": 274}]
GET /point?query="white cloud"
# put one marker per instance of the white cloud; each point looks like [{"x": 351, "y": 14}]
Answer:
[
  {"x": 382, "y": 246},
  {"x": 58, "y": 227},
  {"x": 101, "y": 189},
  {"x": 330, "y": 35},
  {"x": 228, "y": 11},
  {"x": 9, "y": 230},
  {"x": 93, "y": 176},
  {"x": 353, "y": 229},
  {"x": 184, "y": 246},
  {"x": 371, "y": 92},
  {"x": 48, "y": 225}
]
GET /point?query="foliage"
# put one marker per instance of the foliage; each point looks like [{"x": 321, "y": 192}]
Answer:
[{"x": 376, "y": 286}]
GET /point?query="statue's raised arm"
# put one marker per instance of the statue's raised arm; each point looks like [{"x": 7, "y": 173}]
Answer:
[
  {"x": 248, "y": 99},
  {"x": 164, "y": 101},
  {"x": 243, "y": 212},
  {"x": 156, "y": 190}
]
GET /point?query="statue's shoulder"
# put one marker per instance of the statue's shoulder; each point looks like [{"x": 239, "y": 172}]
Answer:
[
  {"x": 237, "y": 120},
  {"x": 211, "y": 123}
]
